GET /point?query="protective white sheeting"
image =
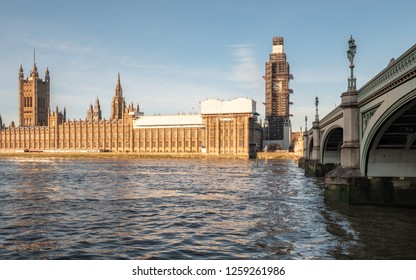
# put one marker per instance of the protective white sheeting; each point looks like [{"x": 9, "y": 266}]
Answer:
[
  {"x": 234, "y": 106},
  {"x": 168, "y": 121}
]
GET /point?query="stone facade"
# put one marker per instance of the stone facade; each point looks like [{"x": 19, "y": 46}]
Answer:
[
  {"x": 231, "y": 128},
  {"x": 33, "y": 98},
  {"x": 231, "y": 134},
  {"x": 105, "y": 135},
  {"x": 298, "y": 142},
  {"x": 222, "y": 128}
]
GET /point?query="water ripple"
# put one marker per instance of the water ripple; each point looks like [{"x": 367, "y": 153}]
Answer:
[{"x": 185, "y": 209}]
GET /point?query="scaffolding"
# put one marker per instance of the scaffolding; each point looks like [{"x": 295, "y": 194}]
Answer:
[{"x": 277, "y": 91}]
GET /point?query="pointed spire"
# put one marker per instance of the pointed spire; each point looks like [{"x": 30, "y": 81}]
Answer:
[
  {"x": 306, "y": 123},
  {"x": 97, "y": 102},
  {"x": 35, "y": 69},
  {"x": 119, "y": 89},
  {"x": 47, "y": 77},
  {"x": 97, "y": 110},
  {"x": 21, "y": 75},
  {"x": 89, "y": 113}
]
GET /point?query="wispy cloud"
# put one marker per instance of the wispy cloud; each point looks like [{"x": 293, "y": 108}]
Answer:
[
  {"x": 64, "y": 46},
  {"x": 245, "y": 70}
]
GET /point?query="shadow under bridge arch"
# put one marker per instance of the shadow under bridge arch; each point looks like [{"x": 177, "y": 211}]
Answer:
[
  {"x": 331, "y": 152},
  {"x": 392, "y": 151}
]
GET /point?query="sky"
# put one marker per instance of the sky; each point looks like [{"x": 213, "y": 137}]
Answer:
[{"x": 172, "y": 54}]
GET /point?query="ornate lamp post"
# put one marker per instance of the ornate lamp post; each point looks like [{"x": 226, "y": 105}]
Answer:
[
  {"x": 306, "y": 123},
  {"x": 316, "y": 135},
  {"x": 350, "y": 149},
  {"x": 305, "y": 140},
  {"x": 351, "y": 54}
]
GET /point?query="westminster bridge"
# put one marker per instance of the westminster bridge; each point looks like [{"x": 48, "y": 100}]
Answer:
[{"x": 366, "y": 147}]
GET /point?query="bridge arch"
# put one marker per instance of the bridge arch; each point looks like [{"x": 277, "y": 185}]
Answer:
[
  {"x": 389, "y": 146},
  {"x": 310, "y": 147},
  {"x": 331, "y": 145}
]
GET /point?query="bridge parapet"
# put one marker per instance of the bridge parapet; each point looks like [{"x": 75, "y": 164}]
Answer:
[
  {"x": 400, "y": 67},
  {"x": 331, "y": 117}
]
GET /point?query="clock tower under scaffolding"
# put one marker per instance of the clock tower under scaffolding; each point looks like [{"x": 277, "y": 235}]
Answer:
[{"x": 277, "y": 118}]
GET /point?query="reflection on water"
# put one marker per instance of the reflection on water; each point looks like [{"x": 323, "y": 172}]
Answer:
[{"x": 186, "y": 209}]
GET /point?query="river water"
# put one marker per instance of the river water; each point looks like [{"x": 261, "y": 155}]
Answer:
[{"x": 186, "y": 209}]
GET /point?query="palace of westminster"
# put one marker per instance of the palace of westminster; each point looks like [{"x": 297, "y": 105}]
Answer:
[{"x": 222, "y": 127}]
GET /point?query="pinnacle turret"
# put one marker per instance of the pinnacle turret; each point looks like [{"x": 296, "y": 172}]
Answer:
[
  {"x": 118, "y": 105},
  {"x": 97, "y": 110},
  {"x": 35, "y": 69},
  {"x": 97, "y": 103},
  {"x": 21, "y": 74},
  {"x": 119, "y": 89}
]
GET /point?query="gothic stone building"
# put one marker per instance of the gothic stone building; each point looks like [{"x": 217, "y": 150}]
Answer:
[{"x": 222, "y": 128}]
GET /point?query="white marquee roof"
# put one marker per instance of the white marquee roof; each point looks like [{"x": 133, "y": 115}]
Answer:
[
  {"x": 234, "y": 106},
  {"x": 168, "y": 121},
  {"x": 208, "y": 107}
]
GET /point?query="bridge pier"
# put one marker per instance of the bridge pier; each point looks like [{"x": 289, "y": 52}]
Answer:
[
  {"x": 360, "y": 190},
  {"x": 314, "y": 169},
  {"x": 350, "y": 149},
  {"x": 342, "y": 183},
  {"x": 346, "y": 180}
]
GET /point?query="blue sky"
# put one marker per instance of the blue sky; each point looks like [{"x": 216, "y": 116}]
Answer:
[{"x": 173, "y": 54}]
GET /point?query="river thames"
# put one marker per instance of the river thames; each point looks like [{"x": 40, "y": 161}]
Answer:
[{"x": 62, "y": 208}]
